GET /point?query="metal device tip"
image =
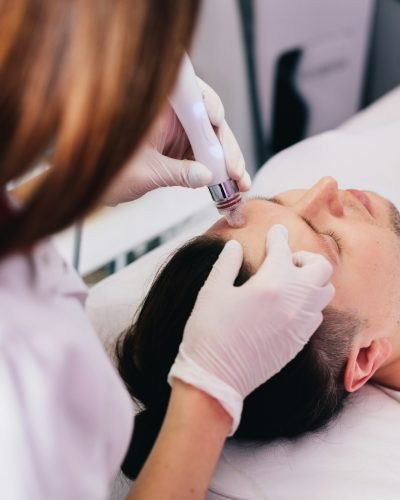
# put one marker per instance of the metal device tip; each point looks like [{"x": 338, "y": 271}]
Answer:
[
  {"x": 234, "y": 214},
  {"x": 228, "y": 201}
]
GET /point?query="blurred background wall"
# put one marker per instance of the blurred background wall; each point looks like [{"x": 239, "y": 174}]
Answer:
[{"x": 288, "y": 69}]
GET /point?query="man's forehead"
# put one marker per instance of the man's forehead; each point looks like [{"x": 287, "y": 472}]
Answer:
[
  {"x": 259, "y": 215},
  {"x": 251, "y": 209}
]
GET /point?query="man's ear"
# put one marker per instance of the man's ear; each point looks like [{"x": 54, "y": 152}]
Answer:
[{"x": 364, "y": 361}]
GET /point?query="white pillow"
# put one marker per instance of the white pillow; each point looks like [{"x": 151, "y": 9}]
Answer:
[
  {"x": 368, "y": 160},
  {"x": 356, "y": 458}
]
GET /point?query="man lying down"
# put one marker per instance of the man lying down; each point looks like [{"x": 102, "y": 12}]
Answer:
[{"x": 358, "y": 341}]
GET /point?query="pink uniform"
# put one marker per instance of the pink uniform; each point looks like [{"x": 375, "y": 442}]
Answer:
[{"x": 65, "y": 417}]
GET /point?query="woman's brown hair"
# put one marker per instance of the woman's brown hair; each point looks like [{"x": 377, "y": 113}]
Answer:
[{"x": 87, "y": 77}]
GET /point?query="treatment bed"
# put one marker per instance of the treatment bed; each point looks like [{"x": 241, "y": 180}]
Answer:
[{"x": 358, "y": 455}]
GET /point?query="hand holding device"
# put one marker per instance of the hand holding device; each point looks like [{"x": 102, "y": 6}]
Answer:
[
  {"x": 189, "y": 106},
  {"x": 166, "y": 159}
]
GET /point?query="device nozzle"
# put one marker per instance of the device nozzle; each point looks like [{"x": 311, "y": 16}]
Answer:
[
  {"x": 232, "y": 210},
  {"x": 234, "y": 218}
]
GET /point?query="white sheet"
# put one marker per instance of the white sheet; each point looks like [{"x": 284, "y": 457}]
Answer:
[
  {"x": 356, "y": 458},
  {"x": 366, "y": 159}
]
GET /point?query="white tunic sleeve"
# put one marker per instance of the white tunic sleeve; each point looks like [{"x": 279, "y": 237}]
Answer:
[{"x": 65, "y": 418}]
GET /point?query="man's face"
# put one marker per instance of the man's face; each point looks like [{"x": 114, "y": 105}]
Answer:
[{"x": 354, "y": 230}]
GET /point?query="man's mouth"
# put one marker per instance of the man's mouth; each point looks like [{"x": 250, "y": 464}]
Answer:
[{"x": 363, "y": 198}]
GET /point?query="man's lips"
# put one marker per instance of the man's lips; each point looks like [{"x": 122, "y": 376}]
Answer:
[{"x": 363, "y": 198}]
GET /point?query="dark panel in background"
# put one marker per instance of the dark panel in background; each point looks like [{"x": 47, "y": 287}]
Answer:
[
  {"x": 384, "y": 65},
  {"x": 306, "y": 65}
]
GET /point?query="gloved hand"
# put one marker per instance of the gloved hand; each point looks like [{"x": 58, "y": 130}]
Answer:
[
  {"x": 167, "y": 158},
  {"x": 238, "y": 337}
]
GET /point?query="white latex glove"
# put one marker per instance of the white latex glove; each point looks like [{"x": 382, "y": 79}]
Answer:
[
  {"x": 167, "y": 158},
  {"x": 238, "y": 337}
]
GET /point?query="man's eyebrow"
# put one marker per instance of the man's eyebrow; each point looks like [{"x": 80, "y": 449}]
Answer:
[
  {"x": 317, "y": 233},
  {"x": 274, "y": 199}
]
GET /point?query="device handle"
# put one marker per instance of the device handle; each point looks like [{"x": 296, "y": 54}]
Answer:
[{"x": 189, "y": 107}]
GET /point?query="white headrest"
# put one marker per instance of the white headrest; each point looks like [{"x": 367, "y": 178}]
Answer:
[{"x": 367, "y": 159}]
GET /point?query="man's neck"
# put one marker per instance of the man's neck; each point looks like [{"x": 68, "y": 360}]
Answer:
[{"x": 389, "y": 375}]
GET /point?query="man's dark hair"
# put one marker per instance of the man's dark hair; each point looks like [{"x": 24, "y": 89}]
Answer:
[{"x": 302, "y": 397}]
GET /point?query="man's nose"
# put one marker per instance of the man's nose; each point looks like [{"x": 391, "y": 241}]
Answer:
[{"x": 322, "y": 197}]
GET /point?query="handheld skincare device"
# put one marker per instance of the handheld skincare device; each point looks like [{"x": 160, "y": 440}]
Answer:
[{"x": 189, "y": 107}]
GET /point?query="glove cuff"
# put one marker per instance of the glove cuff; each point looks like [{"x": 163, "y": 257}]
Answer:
[{"x": 190, "y": 373}]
